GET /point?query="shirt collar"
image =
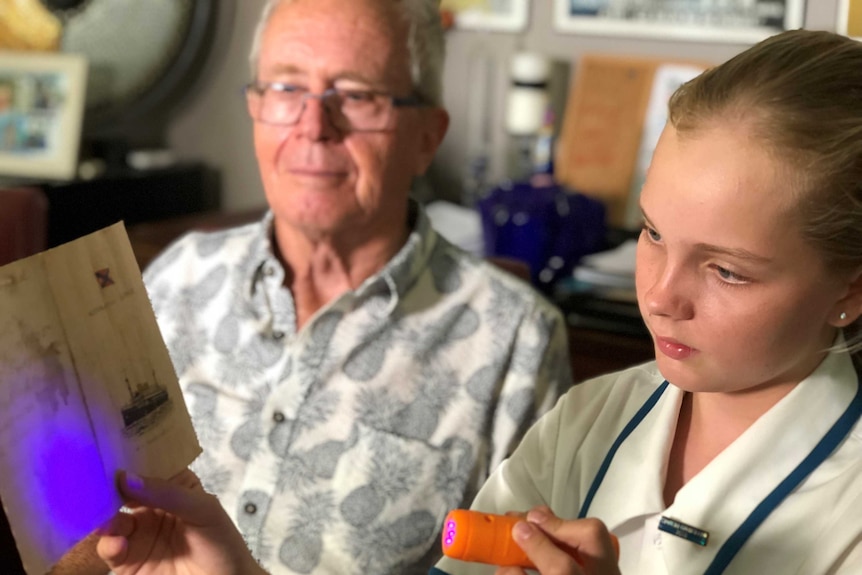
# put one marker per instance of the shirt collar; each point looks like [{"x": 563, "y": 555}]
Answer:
[
  {"x": 261, "y": 254},
  {"x": 394, "y": 279}
]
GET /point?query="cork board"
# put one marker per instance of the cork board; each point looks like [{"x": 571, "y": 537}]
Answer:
[{"x": 602, "y": 128}]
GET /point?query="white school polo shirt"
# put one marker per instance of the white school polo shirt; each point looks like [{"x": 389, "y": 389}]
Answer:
[{"x": 817, "y": 529}]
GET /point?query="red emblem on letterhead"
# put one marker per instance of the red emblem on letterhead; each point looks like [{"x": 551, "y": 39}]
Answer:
[{"x": 103, "y": 276}]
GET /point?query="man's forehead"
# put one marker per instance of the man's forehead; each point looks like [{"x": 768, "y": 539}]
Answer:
[
  {"x": 304, "y": 38},
  {"x": 386, "y": 17}
]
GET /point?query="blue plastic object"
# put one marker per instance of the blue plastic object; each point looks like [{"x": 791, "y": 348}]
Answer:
[{"x": 548, "y": 227}]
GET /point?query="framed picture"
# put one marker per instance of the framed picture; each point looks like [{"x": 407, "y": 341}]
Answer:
[
  {"x": 740, "y": 21},
  {"x": 494, "y": 15},
  {"x": 850, "y": 18},
  {"x": 42, "y": 99}
]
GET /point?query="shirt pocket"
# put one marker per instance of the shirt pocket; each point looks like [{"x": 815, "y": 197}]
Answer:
[{"x": 396, "y": 491}]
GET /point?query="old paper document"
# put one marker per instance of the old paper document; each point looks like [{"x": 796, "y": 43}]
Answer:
[{"x": 86, "y": 388}]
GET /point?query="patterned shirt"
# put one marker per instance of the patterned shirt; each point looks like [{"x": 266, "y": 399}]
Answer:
[{"x": 339, "y": 448}]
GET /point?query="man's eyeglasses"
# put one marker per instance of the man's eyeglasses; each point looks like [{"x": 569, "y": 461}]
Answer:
[{"x": 349, "y": 110}]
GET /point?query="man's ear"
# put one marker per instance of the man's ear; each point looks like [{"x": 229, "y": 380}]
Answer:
[
  {"x": 849, "y": 308},
  {"x": 435, "y": 123}
]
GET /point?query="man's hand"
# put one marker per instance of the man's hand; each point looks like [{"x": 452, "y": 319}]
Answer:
[
  {"x": 81, "y": 560},
  {"x": 175, "y": 528},
  {"x": 564, "y": 547}
]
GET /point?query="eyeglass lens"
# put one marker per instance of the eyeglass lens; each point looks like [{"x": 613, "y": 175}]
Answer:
[{"x": 354, "y": 110}]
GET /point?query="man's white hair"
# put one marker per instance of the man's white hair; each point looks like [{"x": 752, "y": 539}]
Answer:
[{"x": 424, "y": 41}]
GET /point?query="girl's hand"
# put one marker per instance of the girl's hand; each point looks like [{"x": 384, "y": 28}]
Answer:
[{"x": 564, "y": 547}]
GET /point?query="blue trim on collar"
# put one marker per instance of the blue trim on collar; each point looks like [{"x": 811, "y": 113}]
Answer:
[
  {"x": 627, "y": 430},
  {"x": 824, "y": 448}
]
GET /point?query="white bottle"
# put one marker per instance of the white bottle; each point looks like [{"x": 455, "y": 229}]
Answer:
[{"x": 527, "y": 103}]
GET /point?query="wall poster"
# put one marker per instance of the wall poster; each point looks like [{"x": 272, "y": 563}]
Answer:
[
  {"x": 493, "y": 15},
  {"x": 850, "y": 18},
  {"x": 739, "y": 21}
]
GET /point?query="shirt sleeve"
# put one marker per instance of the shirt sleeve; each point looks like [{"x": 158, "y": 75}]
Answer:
[
  {"x": 852, "y": 562},
  {"x": 539, "y": 373}
]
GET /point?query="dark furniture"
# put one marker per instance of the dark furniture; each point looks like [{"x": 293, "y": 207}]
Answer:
[
  {"x": 23, "y": 222},
  {"x": 595, "y": 352},
  {"x": 84, "y": 206}
]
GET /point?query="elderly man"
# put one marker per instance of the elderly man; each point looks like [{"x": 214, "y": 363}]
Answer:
[{"x": 351, "y": 375}]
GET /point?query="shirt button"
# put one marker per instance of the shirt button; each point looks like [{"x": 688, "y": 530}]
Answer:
[
  {"x": 657, "y": 541},
  {"x": 250, "y": 508},
  {"x": 269, "y": 270},
  {"x": 278, "y": 334},
  {"x": 278, "y": 417}
]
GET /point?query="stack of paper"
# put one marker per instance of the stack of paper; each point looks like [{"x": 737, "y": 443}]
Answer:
[{"x": 610, "y": 273}]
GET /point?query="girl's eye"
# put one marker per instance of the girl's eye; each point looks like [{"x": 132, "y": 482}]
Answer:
[
  {"x": 651, "y": 233},
  {"x": 729, "y": 276}
]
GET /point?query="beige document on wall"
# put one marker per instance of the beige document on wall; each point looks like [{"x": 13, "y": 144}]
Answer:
[
  {"x": 601, "y": 140},
  {"x": 86, "y": 388}
]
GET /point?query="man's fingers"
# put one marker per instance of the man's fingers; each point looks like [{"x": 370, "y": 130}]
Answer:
[
  {"x": 182, "y": 495},
  {"x": 113, "y": 545},
  {"x": 121, "y": 524},
  {"x": 113, "y": 550}
]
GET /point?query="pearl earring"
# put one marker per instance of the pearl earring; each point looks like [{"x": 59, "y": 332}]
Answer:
[{"x": 843, "y": 316}]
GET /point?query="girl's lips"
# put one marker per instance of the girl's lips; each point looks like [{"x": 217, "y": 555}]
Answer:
[{"x": 673, "y": 349}]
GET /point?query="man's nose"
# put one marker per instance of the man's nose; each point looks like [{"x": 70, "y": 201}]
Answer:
[{"x": 315, "y": 118}]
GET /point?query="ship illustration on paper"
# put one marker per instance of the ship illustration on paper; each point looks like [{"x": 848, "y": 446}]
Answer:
[{"x": 149, "y": 403}]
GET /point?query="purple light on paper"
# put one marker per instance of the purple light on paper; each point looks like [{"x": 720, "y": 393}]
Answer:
[
  {"x": 74, "y": 490},
  {"x": 54, "y": 467}
]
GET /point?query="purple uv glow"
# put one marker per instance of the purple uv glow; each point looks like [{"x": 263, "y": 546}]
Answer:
[{"x": 55, "y": 466}]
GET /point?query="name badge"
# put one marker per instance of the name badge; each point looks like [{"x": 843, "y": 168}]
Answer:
[{"x": 687, "y": 532}]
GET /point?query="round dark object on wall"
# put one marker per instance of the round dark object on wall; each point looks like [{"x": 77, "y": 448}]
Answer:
[{"x": 143, "y": 54}]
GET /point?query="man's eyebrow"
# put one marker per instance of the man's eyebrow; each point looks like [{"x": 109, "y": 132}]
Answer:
[
  {"x": 738, "y": 253},
  {"x": 360, "y": 79},
  {"x": 285, "y": 69},
  {"x": 342, "y": 76}
]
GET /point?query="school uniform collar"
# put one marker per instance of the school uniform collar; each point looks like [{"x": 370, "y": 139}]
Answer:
[{"x": 738, "y": 479}]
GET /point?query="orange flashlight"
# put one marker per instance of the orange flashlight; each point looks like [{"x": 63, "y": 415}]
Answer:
[{"x": 487, "y": 538}]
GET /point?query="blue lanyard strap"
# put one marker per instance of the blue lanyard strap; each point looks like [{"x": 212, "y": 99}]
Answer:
[
  {"x": 824, "y": 448},
  {"x": 627, "y": 430}
]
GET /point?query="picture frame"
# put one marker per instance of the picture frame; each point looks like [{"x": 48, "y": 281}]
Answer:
[
  {"x": 42, "y": 100},
  {"x": 748, "y": 21},
  {"x": 850, "y": 18},
  {"x": 491, "y": 15}
]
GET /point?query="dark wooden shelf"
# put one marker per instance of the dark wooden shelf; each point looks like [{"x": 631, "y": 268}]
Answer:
[{"x": 595, "y": 352}]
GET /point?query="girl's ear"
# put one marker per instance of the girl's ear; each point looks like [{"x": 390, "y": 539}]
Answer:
[{"x": 849, "y": 308}]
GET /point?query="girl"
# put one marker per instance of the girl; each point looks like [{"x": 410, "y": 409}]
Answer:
[{"x": 739, "y": 450}]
